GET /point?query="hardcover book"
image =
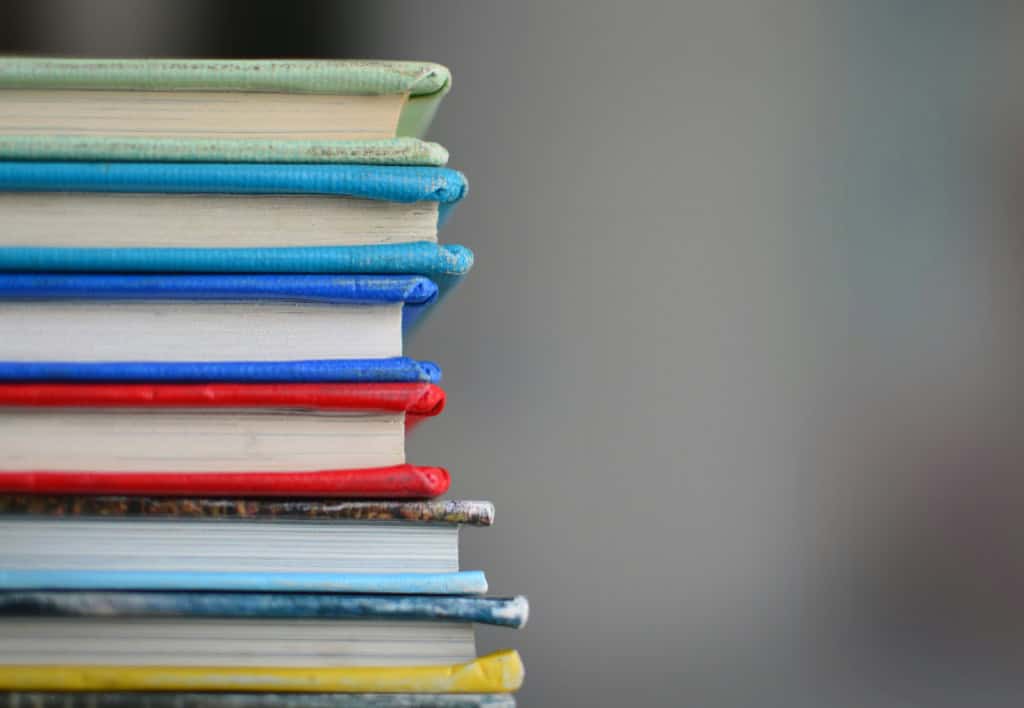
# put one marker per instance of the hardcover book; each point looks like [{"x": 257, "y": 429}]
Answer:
[
  {"x": 218, "y": 110},
  {"x": 316, "y": 431},
  {"x": 245, "y": 629},
  {"x": 229, "y": 218},
  {"x": 182, "y": 323},
  {"x": 186, "y": 205},
  {"x": 295, "y": 546}
]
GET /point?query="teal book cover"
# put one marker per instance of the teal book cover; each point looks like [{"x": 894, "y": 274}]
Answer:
[{"x": 444, "y": 264}]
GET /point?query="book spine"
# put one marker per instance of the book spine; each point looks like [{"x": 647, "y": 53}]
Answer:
[{"x": 399, "y": 481}]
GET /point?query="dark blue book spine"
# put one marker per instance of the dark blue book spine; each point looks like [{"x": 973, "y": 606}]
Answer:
[{"x": 396, "y": 369}]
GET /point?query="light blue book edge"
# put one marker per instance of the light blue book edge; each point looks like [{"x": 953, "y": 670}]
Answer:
[
  {"x": 445, "y": 265},
  {"x": 470, "y": 582}
]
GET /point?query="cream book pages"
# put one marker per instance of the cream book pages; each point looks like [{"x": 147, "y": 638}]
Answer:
[
  {"x": 126, "y": 220},
  {"x": 130, "y": 440}
]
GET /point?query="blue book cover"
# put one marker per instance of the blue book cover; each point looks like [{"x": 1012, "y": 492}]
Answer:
[
  {"x": 469, "y": 582},
  {"x": 444, "y": 264},
  {"x": 416, "y": 293},
  {"x": 394, "y": 369},
  {"x": 387, "y": 183},
  {"x": 499, "y": 611}
]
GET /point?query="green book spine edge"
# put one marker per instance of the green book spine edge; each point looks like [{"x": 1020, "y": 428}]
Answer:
[
  {"x": 398, "y": 151},
  {"x": 348, "y": 77}
]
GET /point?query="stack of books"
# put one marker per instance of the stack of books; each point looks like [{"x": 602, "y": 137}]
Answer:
[{"x": 206, "y": 272}]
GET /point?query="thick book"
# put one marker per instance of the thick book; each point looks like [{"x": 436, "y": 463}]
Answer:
[
  {"x": 188, "y": 321},
  {"x": 221, "y": 205},
  {"x": 499, "y": 672},
  {"x": 251, "y": 545},
  {"x": 192, "y": 110},
  {"x": 245, "y": 629},
  {"x": 179, "y": 699},
  {"x": 225, "y": 428}
]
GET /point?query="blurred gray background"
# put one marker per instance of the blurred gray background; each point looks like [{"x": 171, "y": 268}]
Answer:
[{"x": 740, "y": 359}]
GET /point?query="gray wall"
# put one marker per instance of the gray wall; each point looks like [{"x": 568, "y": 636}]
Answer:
[{"x": 739, "y": 360}]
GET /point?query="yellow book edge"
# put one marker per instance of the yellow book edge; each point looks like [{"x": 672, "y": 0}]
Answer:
[{"x": 499, "y": 672}]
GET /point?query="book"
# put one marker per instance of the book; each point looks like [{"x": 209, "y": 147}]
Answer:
[
  {"x": 99, "y": 699},
  {"x": 499, "y": 672},
  {"x": 206, "y": 318},
  {"x": 221, "y": 205},
  {"x": 245, "y": 629},
  {"x": 249, "y": 545},
  {"x": 200, "y": 110},
  {"x": 232, "y": 428}
]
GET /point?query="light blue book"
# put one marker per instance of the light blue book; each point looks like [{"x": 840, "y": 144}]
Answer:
[{"x": 230, "y": 218}]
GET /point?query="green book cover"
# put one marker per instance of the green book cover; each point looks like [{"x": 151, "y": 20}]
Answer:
[{"x": 423, "y": 85}]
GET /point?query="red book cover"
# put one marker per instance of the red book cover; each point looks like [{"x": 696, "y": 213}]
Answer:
[
  {"x": 416, "y": 400},
  {"x": 396, "y": 482}
]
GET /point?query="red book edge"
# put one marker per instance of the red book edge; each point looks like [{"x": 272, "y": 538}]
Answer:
[
  {"x": 398, "y": 481},
  {"x": 416, "y": 400}
]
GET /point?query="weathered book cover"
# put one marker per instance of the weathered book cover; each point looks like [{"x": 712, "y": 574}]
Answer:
[
  {"x": 448, "y": 511},
  {"x": 500, "y": 611},
  {"x": 422, "y": 83},
  {"x": 499, "y": 672}
]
